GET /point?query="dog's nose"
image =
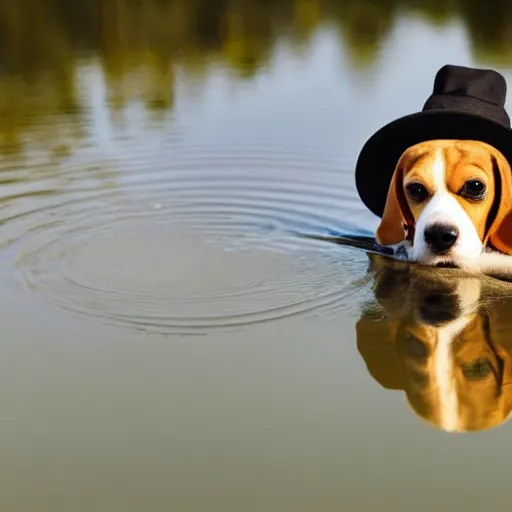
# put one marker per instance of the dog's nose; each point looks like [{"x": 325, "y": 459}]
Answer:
[
  {"x": 441, "y": 237},
  {"x": 438, "y": 308}
]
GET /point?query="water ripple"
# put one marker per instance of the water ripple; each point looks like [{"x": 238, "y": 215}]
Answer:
[{"x": 184, "y": 240}]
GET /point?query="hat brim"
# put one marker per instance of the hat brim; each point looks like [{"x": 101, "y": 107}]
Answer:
[{"x": 380, "y": 154}]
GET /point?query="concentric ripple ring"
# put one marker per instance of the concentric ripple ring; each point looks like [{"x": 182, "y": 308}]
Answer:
[{"x": 200, "y": 242}]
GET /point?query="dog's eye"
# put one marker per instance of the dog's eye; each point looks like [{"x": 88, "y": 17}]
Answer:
[
  {"x": 417, "y": 192},
  {"x": 478, "y": 369},
  {"x": 473, "y": 189},
  {"x": 416, "y": 347}
]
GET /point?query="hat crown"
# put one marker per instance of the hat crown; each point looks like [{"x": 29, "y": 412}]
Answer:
[{"x": 483, "y": 84}]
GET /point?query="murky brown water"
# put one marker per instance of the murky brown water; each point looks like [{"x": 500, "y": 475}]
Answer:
[{"x": 169, "y": 342}]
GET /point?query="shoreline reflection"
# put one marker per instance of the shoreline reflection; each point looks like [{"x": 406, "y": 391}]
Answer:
[{"x": 143, "y": 47}]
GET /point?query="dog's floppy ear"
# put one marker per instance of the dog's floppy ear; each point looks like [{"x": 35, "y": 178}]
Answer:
[
  {"x": 376, "y": 345},
  {"x": 397, "y": 222},
  {"x": 499, "y": 324},
  {"x": 499, "y": 232}
]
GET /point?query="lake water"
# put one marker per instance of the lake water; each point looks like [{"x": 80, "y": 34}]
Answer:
[{"x": 169, "y": 340}]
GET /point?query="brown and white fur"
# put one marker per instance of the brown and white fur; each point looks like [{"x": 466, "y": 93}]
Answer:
[
  {"x": 444, "y": 340},
  {"x": 432, "y": 199}
]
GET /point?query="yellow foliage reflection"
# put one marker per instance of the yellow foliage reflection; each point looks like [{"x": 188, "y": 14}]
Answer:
[{"x": 141, "y": 43}]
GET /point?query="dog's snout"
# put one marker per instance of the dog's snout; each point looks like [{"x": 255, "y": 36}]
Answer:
[
  {"x": 438, "y": 308},
  {"x": 441, "y": 237}
]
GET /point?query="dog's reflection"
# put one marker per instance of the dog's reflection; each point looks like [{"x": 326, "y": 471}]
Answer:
[{"x": 443, "y": 338}]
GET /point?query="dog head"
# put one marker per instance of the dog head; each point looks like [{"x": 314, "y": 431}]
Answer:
[
  {"x": 450, "y": 199},
  {"x": 444, "y": 342}
]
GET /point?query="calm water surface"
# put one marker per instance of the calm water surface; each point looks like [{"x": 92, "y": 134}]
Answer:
[{"x": 169, "y": 342}]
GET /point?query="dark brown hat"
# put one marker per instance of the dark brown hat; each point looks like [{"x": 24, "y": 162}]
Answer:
[{"x": 466, "y": 103}]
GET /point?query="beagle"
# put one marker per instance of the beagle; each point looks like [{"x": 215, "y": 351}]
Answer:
[
  {"x": 446, "y": 345},
  {"x": 450, "y": 204}
]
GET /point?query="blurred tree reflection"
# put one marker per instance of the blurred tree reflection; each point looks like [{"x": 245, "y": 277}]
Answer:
[
  {"x": 140, "y": 44},
  {"x": 490, "y": 28},
  {"x": 363, "y": 26}
]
